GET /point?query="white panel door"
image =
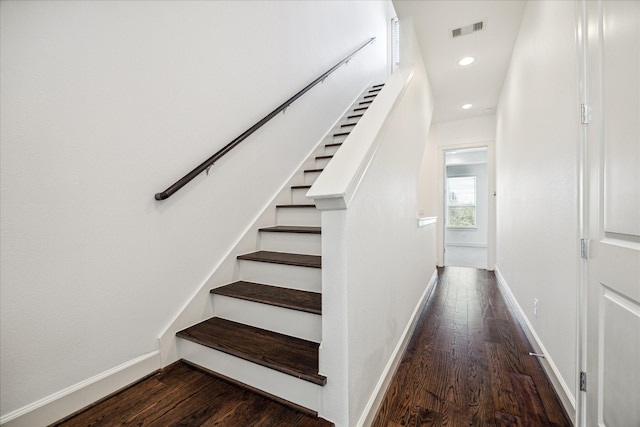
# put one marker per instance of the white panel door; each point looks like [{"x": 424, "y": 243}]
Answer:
[{"x": 613, "y": 214}]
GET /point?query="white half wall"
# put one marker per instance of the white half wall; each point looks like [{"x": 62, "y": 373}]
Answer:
[
  {"x": 537, "y": 146},
  {"x": 106, "y": 103},
  {"x": 377, "y": 261}
]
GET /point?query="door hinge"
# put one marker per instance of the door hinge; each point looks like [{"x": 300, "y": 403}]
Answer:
[
  {"x": 583, "y": 381},
  {"x": 584, "y": 248},
  {"x": 585, "y": 114}
]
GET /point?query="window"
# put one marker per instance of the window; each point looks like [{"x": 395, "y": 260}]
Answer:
[
  {"x": 395, "y": 44},
  {"x": 461, "y": 202}
]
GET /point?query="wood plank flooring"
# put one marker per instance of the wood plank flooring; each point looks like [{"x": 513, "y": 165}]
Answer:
[
  {"x": 302, "y": 260},
  {"x": 293, "y": 356},
  {"x": 310, "y": 302},
  {"x": 182, "y": 395},
  {"x": 468, "y": 363}
]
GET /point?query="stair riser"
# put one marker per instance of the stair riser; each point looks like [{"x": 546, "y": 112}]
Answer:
[
  {"x": 287, "y": 276},
  {"x": 294, "y": 323},
  {"x": 341, "y": 138},
  {"x": 321, "y": 163},
  {"x": 285, "y": 386},
  {"x": 298, "y": 216},
  {"x": 310, "y": 177},
  {"x": 298, "y": 196},
  {"x": 299, "y": 243},
  {"x": 330, "y": 151}
]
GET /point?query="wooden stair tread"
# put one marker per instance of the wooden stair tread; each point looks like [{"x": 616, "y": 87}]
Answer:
[
  {"x": 375, "y": 86},
  {"x": 302, "y": 260},
  {"x": 292, "y": 229},
  {"x": 341, "y": 134},
  {"x": 348, "y": 125},
  {"x": 360, "y": 108},
  {"x": 370, "y": 96},
  {"x": 365, "y": 102},
  {"x": 300, "y": 187},
  {"x": 313, "y": 170},
  {"x": 335, "y": 144},
  {"x": 292, "y": 356},
  {"x": 309, "y": 302},
  {"x": 323, "y": 157},
  {"x": 295, "y": 206},
  {"x": 355, "y": 116}
]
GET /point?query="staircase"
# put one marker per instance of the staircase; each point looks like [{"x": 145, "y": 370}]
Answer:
[{"x": 267, "y": 326}]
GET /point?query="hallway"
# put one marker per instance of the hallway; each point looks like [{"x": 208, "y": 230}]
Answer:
[{"x": 468, "y": 364}]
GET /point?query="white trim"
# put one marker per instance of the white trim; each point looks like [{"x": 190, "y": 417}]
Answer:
[
  {"x": 467, "y": 244},
  {"x": 71, "y": 399},
  {"x": 380, "y": 389},
  {"x": 271, "y": 381},
  {"x": 426, "y": 220},
  {"x": 491, "y": 198},
  {"x": 336, "y": 186},
  {"x": 559, "y": 384},
  {"x": 191, "y": 312}
]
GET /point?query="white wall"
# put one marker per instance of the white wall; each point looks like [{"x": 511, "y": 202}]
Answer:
[
  {"x": 475, "y": 131},
  {"x": 106, "y": 103},
  {"x": 464, "y": 131},
  {"x": 377, "y": 262},
  {"x": 479, "y": 131},
  {"x": 390, "y": 260},
  {"x": 537, "y": 199}
]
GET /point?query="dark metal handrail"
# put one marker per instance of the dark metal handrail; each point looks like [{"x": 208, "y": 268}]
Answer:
[{"x": 224, "y": 150}]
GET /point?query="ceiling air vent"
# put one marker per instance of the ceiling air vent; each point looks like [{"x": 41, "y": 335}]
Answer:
[{"x": 467, "y": 29}]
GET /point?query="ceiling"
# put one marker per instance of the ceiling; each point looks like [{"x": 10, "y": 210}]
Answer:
[{"x": 480, "y": 83}]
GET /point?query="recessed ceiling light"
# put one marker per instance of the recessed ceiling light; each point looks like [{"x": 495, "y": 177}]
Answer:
[
  {"x": 467, "y": 60},
  {"x": 466, "y": 106}
]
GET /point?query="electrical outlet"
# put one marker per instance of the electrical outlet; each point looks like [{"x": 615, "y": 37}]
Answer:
[{"x": 535, "y": 307}]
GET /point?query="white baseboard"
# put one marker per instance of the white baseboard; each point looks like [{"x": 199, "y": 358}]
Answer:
[
  {"x": 71, "y": 399},
  {"x": 380, "y": 389},
  {"x": 467, "y": 244},
  {"x": 559, "y": 384}
]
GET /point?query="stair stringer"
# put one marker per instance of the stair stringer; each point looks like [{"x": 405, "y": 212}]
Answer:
[{"x": 200, "y": 306}]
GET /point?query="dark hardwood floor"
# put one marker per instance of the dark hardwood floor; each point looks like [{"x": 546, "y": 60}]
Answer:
[
  {"x": 468, "y": 363},
  {"x": 182, "y": 395},
  {"x": 293, "y": 356}
]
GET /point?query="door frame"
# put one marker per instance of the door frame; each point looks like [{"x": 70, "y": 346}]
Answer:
[
  {"x": 583, "y": 214},
  {"x": 491, "y": 195},
  {"x": 591, "y": 222}
]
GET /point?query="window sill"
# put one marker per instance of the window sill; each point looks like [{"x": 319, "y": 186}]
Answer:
[{"x": 426, "y": 220}]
